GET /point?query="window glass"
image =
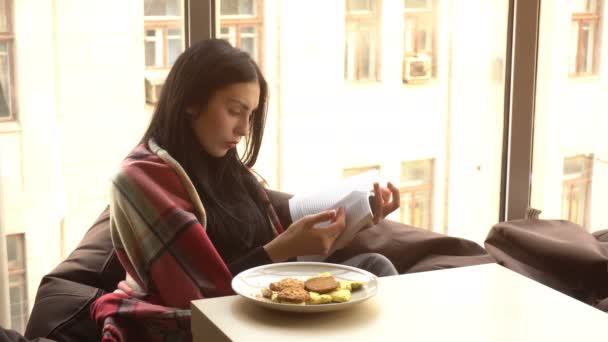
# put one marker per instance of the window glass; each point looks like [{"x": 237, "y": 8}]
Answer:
[
  {"x": 417, "y": 4},
  {"x": 570, "y": 160},
  {"x": 175, "y": 46},
  {"x": 12, "y": 249},
  {"x": 4, "y": 17},
  {"x": 416, "y": 193},
  {"x": 163, "y": 7},
  {"x": 585, "y": 37},
  {"x": 17, "y": 281},
  {"x": 237, "y": 7},
  {"x": 395, "y": 85},
  {"x": 361, "y": 43},
  {"x": 240, "y": 23},
  {"x": 360, "y": 5},
  {"x": 6, "y": 62},
  {"x": 163, "y": 43}
]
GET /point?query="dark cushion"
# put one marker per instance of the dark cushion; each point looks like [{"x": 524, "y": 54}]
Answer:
[
  {"x": 7, "y": 335},
  {"x": 61, "y": 309},
  {"x": 413, "y": 249},
  {"x": 557, "y": 253}
]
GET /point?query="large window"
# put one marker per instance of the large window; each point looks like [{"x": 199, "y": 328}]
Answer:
[
  {"x": 362, "y": 45},
  {"x": 418, "y": 40},
  {"x": 241, "y": 24},
  {"x": 7, "y": 87},
  {"x": 585, "y": 34},
  {"x": 416, "y": 191},
  {"x": 163, "y": 42},
  {"x": 576, "y": 189},
  {"x": 15, "y": 249},
  {"x": 570, "y": 155}
]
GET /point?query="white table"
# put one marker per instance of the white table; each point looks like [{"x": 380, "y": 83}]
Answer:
[{"x": 477, "y": 303}]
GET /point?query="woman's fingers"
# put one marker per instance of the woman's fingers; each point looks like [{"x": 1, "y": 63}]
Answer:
[
  {"x": 394, "y": 204},
  {"x": 378, "y": 212},
  {"x": 386, "y": 195},
  {"x": 327, "y": 215},
  {"x": 339, "y": 223},
  {"x": 387, "y": 201}
]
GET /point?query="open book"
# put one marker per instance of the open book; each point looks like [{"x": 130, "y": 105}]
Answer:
[{"x": 353, "y": 194}]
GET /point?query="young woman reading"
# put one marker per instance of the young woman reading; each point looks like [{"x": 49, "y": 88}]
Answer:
[{"x": 187, "y": 213}]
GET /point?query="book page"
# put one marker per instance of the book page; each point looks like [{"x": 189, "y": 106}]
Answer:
[
  {"x": 358, "y": 214},
  {"x": 312, "y": 203}
]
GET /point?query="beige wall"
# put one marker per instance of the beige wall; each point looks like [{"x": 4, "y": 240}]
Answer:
[
  {"x": 30, "y": 159},
  {"x": 81, "y": 108},
  {"x": 101, "y": 100}
]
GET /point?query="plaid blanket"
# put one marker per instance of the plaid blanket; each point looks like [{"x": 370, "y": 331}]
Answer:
[{"x": 157, "y": 222}]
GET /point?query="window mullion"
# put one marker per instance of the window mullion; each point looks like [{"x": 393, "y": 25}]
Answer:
[
  {"x": 199, "y": 20},
  {"x": 520, "y": 104}
]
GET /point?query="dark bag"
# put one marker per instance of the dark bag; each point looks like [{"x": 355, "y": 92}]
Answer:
[
  {"x": 557, "y": 253},
  {"x": 61, "y": 310},
  {"x": 413, "y": 249}
]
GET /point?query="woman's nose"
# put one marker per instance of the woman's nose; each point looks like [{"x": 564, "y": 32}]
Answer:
[{"x": 243, "y": 127}]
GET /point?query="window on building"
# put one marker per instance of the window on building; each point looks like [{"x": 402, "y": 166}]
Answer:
[
  {"x": 163, "y": 42},
  {"x": 7, "y": 91},
  {"x": 577, "y": 189},
  {"x": 353, "y": 171},
  {"x": 362, "y": 40},
  {"x": 15, "y": 248},
  {"x": 416, "y": 191},
  {"x": 241, "y": 23},
  {"x": 585, "y": 34},
  {"x": 419, "y": 40}
]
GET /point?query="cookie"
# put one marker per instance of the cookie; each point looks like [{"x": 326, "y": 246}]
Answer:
[
  {"x": 321, "y": 284},
  {"x": 285, "y": 283},
  {"x": 294, "y": 295},
  {"x": 266, "y": 293}
]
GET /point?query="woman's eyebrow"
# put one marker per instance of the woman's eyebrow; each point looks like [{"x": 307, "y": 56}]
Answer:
[{"x": 241, "y": 103}]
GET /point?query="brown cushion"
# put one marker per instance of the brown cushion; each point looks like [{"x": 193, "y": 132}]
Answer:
[
  {"x": 61, "y": 308},
  {"x": 557, "y": 253},
  {"x": 413, "y": 249}
]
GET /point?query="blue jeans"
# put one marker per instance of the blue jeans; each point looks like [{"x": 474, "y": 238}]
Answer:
[{"x": 374, "y": 263}]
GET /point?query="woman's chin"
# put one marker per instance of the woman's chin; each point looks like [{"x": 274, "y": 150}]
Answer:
[{"x": 220, "y": 153}]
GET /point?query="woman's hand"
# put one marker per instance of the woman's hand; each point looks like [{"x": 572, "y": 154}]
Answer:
[
  {"x": 387, "y": 201},
  {"x": 302, "y": 238}
]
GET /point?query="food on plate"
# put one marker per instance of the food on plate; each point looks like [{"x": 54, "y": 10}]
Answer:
[
  {"x": 293, "y": 295},
  {"x": 267, "y": 293},
  {"x": 320, "y": 289},
  {"x": 285, "y": 283},
  {"x": 321, "y": 284},
  {"x": 317, "y": 298},
  {"x": 340, "y": 296}
]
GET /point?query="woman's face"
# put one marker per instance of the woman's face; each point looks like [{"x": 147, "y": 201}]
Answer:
[{"x": 221, "y": 125}]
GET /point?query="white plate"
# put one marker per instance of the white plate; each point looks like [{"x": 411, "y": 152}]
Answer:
[{"x": 250, "y": 283}]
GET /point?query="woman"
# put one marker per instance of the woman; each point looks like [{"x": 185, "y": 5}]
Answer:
[{"x": 187, "y": 213}]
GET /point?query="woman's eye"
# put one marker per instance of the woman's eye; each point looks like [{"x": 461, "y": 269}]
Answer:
[{"x": 234, "y": 112}]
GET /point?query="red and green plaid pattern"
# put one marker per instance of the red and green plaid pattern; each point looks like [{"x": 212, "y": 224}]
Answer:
[{"x": 157, "y": 224}]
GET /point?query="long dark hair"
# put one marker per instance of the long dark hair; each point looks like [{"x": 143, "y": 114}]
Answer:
[{"x": 225, "y": 185}]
